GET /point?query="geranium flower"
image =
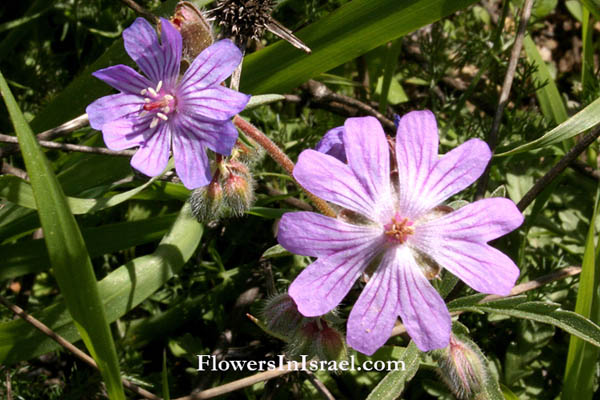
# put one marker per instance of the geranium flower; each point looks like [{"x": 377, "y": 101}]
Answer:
[
  {"x": 158, "y": 109},
  {"x": 394, "y": 229}
]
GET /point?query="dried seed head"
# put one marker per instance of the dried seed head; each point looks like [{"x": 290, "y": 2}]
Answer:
[{"x": 243, "y": 19}]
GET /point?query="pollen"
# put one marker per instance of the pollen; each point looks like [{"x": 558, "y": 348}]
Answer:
[{"x": 399, "y": 229}]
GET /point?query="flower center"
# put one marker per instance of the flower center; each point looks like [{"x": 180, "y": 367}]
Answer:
[
  {"x": 398, "y": 230},
  {"x": 158, "y": 102}
]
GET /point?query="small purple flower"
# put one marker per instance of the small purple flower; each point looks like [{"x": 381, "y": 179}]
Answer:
[
  {"x": 154, "y": 110},
  {"x": 397, "y": 227}
]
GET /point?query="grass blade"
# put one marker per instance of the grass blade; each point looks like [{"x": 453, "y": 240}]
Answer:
[
  {"x": 582, "y": 356},
  {"x": 66, "y": 249}
]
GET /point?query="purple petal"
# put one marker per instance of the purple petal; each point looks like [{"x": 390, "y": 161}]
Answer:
[
  {"x": 217, "y": 103},
  {"x": 211, "y": 67},
  {"x": 332, "y": 144},
  {"x": 191, "y": 161},
  {"x": 316, "y": 235},
  {"x": 416, "y": 153},
  {"x": 126, "y": 133},
  {"x": 152, "y": 156},
  {"x": 479, "y": 265},
  {"x": 158, "y": 62},
  {"x": 421, "y": 308},
  {"x": 373, "y": 316},
  {"x": 123, "y": 78},
  {"x": 481, "y": 221},
  {"x": 220, "y": 137},
  {"x": 332, "y": 180},
  {"x": 368, "y": 156},
  {"x": 455, "y": 171},
  {"x": 323, "y": 284},
  {"x": 113, "y": 107}
]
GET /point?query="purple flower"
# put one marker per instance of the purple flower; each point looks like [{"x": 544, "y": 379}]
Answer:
[
  {"x": 332, "y": 143},
  {"x": 394, "y": 230},
  {"x": 154, "y": 110}
]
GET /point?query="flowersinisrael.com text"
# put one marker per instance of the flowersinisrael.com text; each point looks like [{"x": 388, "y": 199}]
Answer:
[{"x": 210, "y": 363}]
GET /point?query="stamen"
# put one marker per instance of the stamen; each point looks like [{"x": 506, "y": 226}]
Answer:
[
  {"x": 166, "y": 109},
  {"x": 143, "y": 92},
  {"x": 158, "y": 86},
  {"x": 147, "y": 100},
  {"x": 143, "y": 113},
  {"x": 153, "y": 123},
  {"x": 168, "y": 97},
  {"x": 152, "y": 92},
  {"x": 399, "y": 229},
  {"x": 162, "y": 116}
]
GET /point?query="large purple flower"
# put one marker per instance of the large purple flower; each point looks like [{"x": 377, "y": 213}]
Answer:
[
  {"x": 394, "y": 229},
  {"x": 154, "y": 110}
]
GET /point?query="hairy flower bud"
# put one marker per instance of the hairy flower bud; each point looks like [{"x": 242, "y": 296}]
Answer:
[
  {"x": 239, "y": 192},
  {"x": 316, "y": 339},
  {"x": 461, "y": 367},
  {"x": 207, "y": 202},
  {"x": 195, "y": 31},
  {"x": 282, "y": 317}
]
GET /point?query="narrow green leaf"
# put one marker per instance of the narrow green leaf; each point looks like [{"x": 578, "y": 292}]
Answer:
[
  {"x": 550, "y": 100},
  {"x": 66, "y": 249},
  {"x": 593, "y": 6},
  {"x": 19, "y": 192},
  {"x": 120, "y": 291},
  {"x": 545, "y": 312},
  {"x": 346, "y": 33},
  {"x": 165, "y": 377},
  {"x": 577, "y": 124},
  {"x": 31, "y": 256},
  {"x": 263, "y": 99},
  {"x": 587, "y": 59},
  {"x": 391, "y": 59},
  {"x": 392, "y": 385},
  {"x": 582, "y": 357}
]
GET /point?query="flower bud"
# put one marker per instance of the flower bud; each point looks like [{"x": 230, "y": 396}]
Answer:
[
  {"x": 207, "y": 202},
  {"x": 461, "y": 367},
  {"x": 239, "y": 193},
  {"x": 282, "y": 317},
  {"x": 196, "y": 32},
  {"x": 316, "y": 339}
]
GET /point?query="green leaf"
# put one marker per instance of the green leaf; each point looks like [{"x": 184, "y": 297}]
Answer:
[
  {"x": 165, "y": 377},
  {"x": 577, "y": 124},
  {"x": 593, "y": 6},
  {"x": 346, "y": 33},
  {"x": 263, "y": 99},
  {"x": 392, "y": 385},
  {"x": 545, "y": 312},
  {"x": 582, "y": 357},
  {"x": 120, "y": 291},
  {"x": 587, "y": 59},
  {"x": 31, "y": 256},
  {"x": 268, "y": 213},
  {"x": 66, "y": 249},
  {"x": 19, "y": 192},
  {"x": 550, "y": 100}
]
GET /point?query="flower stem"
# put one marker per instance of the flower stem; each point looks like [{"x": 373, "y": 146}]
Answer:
[{"x": 280, "y": 158}]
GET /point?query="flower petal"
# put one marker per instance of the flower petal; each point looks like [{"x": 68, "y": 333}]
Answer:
[
  {"x": 126, "y": 133},
  {"x": 332, "y": 180},
  {"x": 211, "y": 67},
  {"x": 479, "y": 265},
  {"x": 123, "y": 78},
  {"x": 456, "y": 170},
  {"x": 481, "y": 221},
  {"x": 220, "y": 136},
  {"x": 113, "y": 107},
  {"x": 324, "y": 284},
  {"x": 373, "y": 316},
  {"x": 158, "y": 62},
  {"x": 416, "y": 153},
  {"x": 191, "y": 161},
  {"x": 421, "y": 308},
  {"x": 316, "y": 235},
  {"x": 368, "y": 156},
  {"x": 332, "y": 144},
  {"x": 152, "y": 156},
  {"x": 217, "y": 103}
]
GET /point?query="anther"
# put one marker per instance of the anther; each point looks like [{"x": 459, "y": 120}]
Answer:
[
  {"x": 143, "y": 92},
  {"x": 158, "y": 86},
  {"x": 152, "y": 92},
  {"x": 162, "y": 116},
  {"x": 168, "y": 97},
  {"x": 147, "y": 100},
  {"x": 153, "y": 123},
  {"x": 166, "y": 109}
]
